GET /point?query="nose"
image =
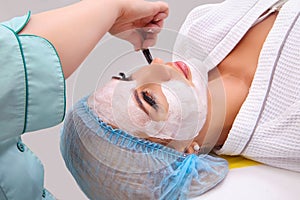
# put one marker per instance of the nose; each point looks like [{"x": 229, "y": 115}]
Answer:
[{"x": 157, "y": 61}]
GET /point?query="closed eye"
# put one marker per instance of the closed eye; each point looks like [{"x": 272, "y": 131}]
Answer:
[
  {"x": 154, "y": 105},
  {"x": 139, "y": 102},
  {"x": 149, "y": 99}
]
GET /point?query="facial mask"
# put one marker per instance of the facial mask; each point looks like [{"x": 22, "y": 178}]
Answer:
[
  {"x": 114, "y": 103},
  {"x": 186, "y": 115}
]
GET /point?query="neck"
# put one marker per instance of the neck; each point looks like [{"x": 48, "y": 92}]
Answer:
[{"x": 212, "y": 134}]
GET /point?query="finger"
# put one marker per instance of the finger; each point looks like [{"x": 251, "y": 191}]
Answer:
[
  {"x": 136, "y": 40},
  {"x": 159, "y": 16},
  {"x": 157, "y": 25},
  {"x": 154, "y": 12},
  {"x": 132, "y": 36},
  {"x": 149, "y": 41},
  {"x": 151, "y": 21},
  {"x": 160, "y": 23},
  {"x": 154, "y": 27},
  {"x": 151, "y": 29},
  {"x": 142, "y": 39},
  {"x": 162, "y": 7}
]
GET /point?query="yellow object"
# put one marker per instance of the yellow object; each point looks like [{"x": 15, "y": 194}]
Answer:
[{"x": 239, "y": 162}]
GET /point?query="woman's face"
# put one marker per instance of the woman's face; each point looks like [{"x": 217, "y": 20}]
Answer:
[
  {"x": 161, "y": 100},
  {"x": 148, "y": 94}
]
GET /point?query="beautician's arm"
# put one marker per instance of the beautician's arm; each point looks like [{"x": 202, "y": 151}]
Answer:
[{"x": 76, "y": 29}]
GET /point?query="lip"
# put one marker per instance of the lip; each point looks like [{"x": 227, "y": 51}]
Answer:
[{"x": 183, "y": 68}]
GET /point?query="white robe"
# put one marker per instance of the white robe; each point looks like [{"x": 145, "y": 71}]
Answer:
[{"x": 267, "y": 127}]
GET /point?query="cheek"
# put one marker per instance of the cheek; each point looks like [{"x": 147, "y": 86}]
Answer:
[
  {"x": 138, "y": 117},
  {"x": 158, "y": 115}
]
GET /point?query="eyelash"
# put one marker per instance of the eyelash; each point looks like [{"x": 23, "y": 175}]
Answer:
[
  {"x": 122, "y": 77},
  {"x": 149, "y": 99}
]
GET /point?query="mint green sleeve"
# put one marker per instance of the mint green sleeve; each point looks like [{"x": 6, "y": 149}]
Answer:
[{"x": 32, "y": 85}]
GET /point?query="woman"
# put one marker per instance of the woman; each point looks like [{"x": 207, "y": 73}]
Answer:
[
  {"x": 229, "y": 83},
  {"x": 250, "y": 52},
  {"x": 36, "y": 53}
]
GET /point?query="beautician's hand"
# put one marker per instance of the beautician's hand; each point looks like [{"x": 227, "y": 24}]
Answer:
[
  {"x": 75, "y": 30},
  {"x": 149, "y": 16}
]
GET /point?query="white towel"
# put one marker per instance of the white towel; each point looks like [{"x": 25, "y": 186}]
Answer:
[{"x": 267, "y": 127}]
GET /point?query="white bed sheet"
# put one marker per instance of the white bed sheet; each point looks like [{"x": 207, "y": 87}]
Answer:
[{"x": 258, "y": 182}]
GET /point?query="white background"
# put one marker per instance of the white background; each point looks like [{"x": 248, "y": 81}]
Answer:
[{"x": 45, "y": 143}]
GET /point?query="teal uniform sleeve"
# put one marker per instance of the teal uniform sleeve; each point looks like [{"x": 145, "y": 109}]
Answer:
[
  {"x": 32, "y": 97},
  {"x": 32, "y": 94}
]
